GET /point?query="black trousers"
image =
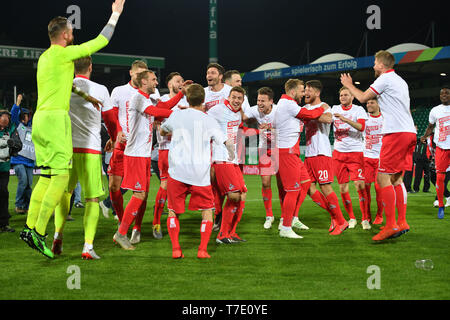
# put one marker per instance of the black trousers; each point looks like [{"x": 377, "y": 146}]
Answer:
[
  {"x": 4, "y": 199},
  {"x": 422, "y": 167},
  {"x": 447, "y": 179},
  {"x": 407, "y": 178}
]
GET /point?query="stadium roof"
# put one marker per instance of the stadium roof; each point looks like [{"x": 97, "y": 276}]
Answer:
[
  {"x": 270, "y": 66},
  {"x": 332, "y": 57}
]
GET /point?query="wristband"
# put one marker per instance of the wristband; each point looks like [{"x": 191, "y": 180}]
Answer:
[{"x": 114, "y": 18}]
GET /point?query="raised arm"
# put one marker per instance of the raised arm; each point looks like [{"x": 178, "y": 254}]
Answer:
[
  {"x": 361, "y": 96},
  {"x": 85, "y": 49}
]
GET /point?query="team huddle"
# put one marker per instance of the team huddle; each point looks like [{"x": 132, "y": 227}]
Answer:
[{"x": 199, "y": 134}]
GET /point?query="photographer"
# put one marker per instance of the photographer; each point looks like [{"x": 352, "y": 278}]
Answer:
[
  {"x": 23, "y": 163},
  {"x": 9, "y": 146}
]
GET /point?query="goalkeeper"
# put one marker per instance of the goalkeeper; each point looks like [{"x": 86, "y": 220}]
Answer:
[{"x": 52, "y": 134}]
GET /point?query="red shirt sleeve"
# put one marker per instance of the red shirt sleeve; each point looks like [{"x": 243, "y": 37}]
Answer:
[
  {"x": 158, "y": 112},
  {"x": 363, "y": 123},
  {"x": 171, "y": 103},
  {"x": 306, "y": 114},
  {"x": 111, "y": 119}
]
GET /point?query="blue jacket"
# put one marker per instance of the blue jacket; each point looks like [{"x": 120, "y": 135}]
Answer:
[{"x": 15, "y": 119}]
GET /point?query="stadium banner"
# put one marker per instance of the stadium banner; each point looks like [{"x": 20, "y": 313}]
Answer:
[
  {"x": 213, "y": 56},
  {"x": 346, "y": 65},
  {"x": 11, "y": 52}
]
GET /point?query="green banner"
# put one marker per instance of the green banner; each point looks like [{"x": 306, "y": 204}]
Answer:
[
  {"x": 11, "y": 52},
  {"x": 213, "y": 31}
]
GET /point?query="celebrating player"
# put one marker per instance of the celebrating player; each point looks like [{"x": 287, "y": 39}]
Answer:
[
  {"x": 228, "y": 176},
  {"x": 215, "y": 93},
  {"x": 51, "y": 135},
  {"x": 87, "y": 151},
  {"x": 189, "y": 167},
  {"x": 399, "y": 139},
  {"x": 121, "y": 97},
  {"x": 372, "y": 137},
  {"x": 318, "y": 158},
  {"x": 348, "y": 157},
  {"x": 439, "y": 121},
  {"x": 174, "y": 82},
  {"x": 137, "y": 155},
  {"x": 292, "y": 174}
]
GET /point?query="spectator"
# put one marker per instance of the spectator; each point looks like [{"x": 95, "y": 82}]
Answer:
[
  {"x": 422, "y": 167},
  {"x": 9, "y": 145},
  {"x": 408, "y": 176},
  {"x": 23, "y": 163}
]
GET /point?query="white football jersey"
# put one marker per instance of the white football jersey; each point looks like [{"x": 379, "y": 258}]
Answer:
[
  {"x": 229, "y": 121},
  {"x": 261, "y": 118},
  {"x": 373, "y": 136},
  {"x": 347, "y": 138},
  {"x": 440, "y": 116},
  {"x": 287, "y": 126},
  {"x": 393, "y": 99},
  {"x": 317, "y": 135},
  {"x": 140, "y": 126},
  {"x": 85, "y": 118},
  {"x": 190, "y": 150},
  {"x": 164, "y": 142},
  {"x": 121, "y": 97},
  {"x": 213, "y": 98}
]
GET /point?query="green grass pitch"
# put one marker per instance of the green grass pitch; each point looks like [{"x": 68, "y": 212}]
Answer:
[{"x": 267, "y": 267}]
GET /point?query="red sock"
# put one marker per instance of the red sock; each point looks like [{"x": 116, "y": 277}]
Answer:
[
  {"x": 205, "y": 234},
  {"x": 117, "y": 203},
  {"x": 333, "y": 204},
  {"x": 130, "y": 214},
  {"x": 303, "y": 192},
  {"x": 440, "y": 180},
  {"x": 237, "y": 217},
  {"x": 363, "y": 204},
  {"x": 228, "y": 212},
  {"x": 368, "y": 200},
  {"x": 379, "y": 201},
  {"x": 173, "y": 227},
  {"x": 401, "y": 197},
  {"x": 140, "y": 216},
  {"x": 289, "y": 205},
  {"x": 320, "y": 200},
  {"x": 160, "y": 201},
  {"x": 388, "y": 198},
  {"x": 218, "y": 201},
  {"x": 267, "y": 198},
  {"x": 348, "y": 204}
]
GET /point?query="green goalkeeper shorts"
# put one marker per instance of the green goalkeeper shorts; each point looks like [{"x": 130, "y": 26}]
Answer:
[
  {"x": 52, "y": 138},
  {"x": 87, "y": 168}
]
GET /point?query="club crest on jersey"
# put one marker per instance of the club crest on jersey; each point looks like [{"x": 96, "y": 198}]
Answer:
[
  {"x": 296, "y": 185},
  {"x": 231, "y": 187},
  {"x": 137, "y": 185}
]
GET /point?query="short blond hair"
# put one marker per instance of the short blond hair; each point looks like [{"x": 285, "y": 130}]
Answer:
[
  {"x": 292, "y": 84},
  {"x": 386, "y": 58},
  {"x": 139, "y": 64}
]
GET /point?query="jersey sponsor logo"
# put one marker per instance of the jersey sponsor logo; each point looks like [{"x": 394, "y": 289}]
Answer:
[
  {"x": 211, "y": 104},
  {"x": 444, "y": 130}
]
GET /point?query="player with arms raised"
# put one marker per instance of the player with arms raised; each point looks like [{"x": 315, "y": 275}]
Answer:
[
  {"x": 399, "y": 139},
  {"x": 52, "y": 135}
]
